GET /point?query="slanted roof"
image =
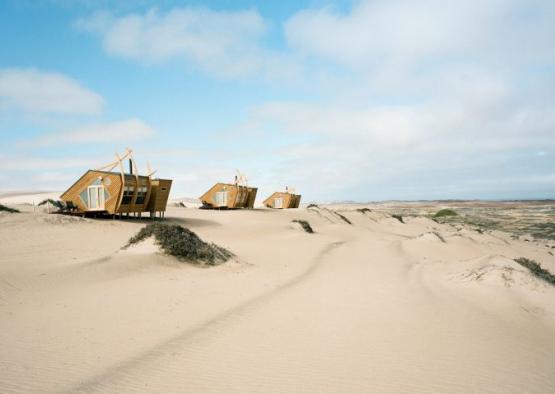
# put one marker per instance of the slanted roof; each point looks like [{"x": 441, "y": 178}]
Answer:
[{"x": 100, "y": 172}]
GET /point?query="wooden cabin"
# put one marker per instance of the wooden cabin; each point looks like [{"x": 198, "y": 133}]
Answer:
[
  {"x": 283, "y": 200},
  {"x": 229, "y": 196},
  {"x": 159, "y": 194},
  {"x": 118, "y": 193}
]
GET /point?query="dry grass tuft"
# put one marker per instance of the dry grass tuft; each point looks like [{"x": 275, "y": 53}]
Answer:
[
  {"x": 536, "y": 269},
  {"x": 343, "y": 217},
  {"x": 305, "y": 225},
  {"x": 4, "y": 208},
  {"x": 183, "y": 243}
]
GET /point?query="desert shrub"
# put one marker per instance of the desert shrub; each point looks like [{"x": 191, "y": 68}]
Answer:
[
  {"x": 440, "y": 237},
  {"x": 542, "y": 230},
  {"x": 312, "y": 206},
  {"x": 4, "y": 208},
  {"x": 183, "y": 244},
  {"x": 55, "y": 203},
  {"x": 444, "y": 213},
  {"x": 343, "y": 218},
  {"x": 305, "y": 225},
  {"x": 364, "y": 210},
  {"x": 398, "y": 217},
  {"x": 536, "y": 269}
]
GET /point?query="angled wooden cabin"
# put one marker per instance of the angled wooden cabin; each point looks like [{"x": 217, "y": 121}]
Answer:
[
  {"x": 118, "y": 193},
  {"x": 283, "y": 200},
  {"x": 159, "y": 194},
  {"x": 230, "y": 195}
]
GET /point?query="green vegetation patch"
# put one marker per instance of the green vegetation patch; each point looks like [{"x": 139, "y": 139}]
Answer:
[
  {"x": 542, "y": 230},
  {"x": 444, "y": 213},
  {"x": 480, "y": 222},
  {"x": 536, "y": 269},
  {"x": 305, "y": 225},
  {"x": 182, "y": 243},
  {"x": 4, "y": 208}
]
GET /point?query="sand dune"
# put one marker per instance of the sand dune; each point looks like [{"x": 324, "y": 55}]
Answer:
[
  {"x": 372, "y": 306},
  {"x": 27, "y": 198}
]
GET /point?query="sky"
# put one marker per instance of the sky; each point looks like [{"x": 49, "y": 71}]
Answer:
[{"x": 343, "y": 100}]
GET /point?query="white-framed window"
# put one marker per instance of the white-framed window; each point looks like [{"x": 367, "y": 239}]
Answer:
[
  {"x": 128, "y": 192},
  {"x": 141, "y": 195},
  {"x": 95, "y": 197},
  {"x": 220, "y": 198}
]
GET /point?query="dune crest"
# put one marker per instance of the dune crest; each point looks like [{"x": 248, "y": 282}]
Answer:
[{"x": 366, "y": 304}]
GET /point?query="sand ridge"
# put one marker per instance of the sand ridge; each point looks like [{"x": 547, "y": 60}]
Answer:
[{"x": 375, "y": 305}]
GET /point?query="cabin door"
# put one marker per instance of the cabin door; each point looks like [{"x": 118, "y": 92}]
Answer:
[
  {"x": 278, "y": 202},
  {"x": 221, "y": 199},
  {"x": 96, "y": 197}
]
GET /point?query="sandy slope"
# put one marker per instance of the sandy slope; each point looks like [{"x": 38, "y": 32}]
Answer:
[
  {"x": 27, "y": 198},
  {"x": 376, "y": 306}
]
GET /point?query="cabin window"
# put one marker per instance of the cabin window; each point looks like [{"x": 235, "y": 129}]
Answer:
[
  {"x": 221, "y": 199},
  {"x": 96, "y": 197},
  {"x": 141, "y": 195},
  {"x": 278, "y": 202},
  {"x": 127, "y": 195},
  {"x": 163, "y": 189}
]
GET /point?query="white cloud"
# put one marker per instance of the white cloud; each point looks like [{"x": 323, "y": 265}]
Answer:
[
  {"x": 124, "y": 131},
  {"x": 425, "y": 95},
  {"x": 42, "y": 173},
  {"x": 33, "y": 163},
  {"x": 400, "y": 49},
  {"x": 34, "y": 91},
  {"x": 225, "y": 44},
  {"x": 405, "y": 32},
  {"x": 437, "y": 97},
  {"x": 415, "y": 146},
  {"x": 435, "y": 125},
  {"x": 379, "y": 125}
]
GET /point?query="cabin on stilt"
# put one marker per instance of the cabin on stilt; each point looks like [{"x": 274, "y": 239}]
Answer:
[
  {"x": 119, "y": 193},
  {"x": 283, "y": 200},
  {"x": 230, "y": 195}
]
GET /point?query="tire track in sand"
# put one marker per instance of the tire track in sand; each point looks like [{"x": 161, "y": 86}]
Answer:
[{"x": 204, "y": 330}]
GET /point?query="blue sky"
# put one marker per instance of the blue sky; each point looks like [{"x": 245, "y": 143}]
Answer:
[{"x": 347, "y": 100}]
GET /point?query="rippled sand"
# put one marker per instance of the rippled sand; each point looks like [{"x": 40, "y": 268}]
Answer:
[{"x": 372, "y": 306}]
